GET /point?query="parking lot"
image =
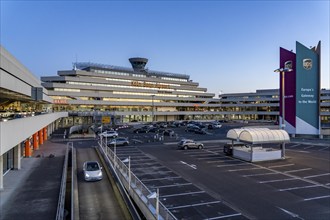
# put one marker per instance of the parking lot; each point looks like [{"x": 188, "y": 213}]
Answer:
[{"x": 207, "y": 184}]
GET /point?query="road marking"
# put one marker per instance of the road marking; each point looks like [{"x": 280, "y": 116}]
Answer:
[
  {"x": 157, "y": 172},
  {"x": 212, "y": 152},
  {"x": 259, "y": 174},
  {"x": 193, "y": 205},
  {"x": 280, "y": 180},
  {"x": 224, "y": 216},
  {"x": 293, "y": 171},
  {"x": 284, "y": 165},
  {"x": 190, "y": 165},
  {"x": 173, "y": 185},
  {"x": 300, "y": 187},
  {"x": 216, "y": 161},
  {"x": 296, "y": 145},
  {"x": 325, "y": 174},
  {"x": 164, "y": 178},
  {"x": 230, "y": 165},
  {"x": 182, "y": 194},
  {"x": 323, "y": 148},
  {"x": 320, "y": 197},
  {"x": 294, "y": 215},
  {"x": 309, "y": 147},
  {"x": 254, "y": 168}
]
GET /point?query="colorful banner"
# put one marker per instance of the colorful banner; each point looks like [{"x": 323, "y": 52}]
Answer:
[
  {"x": 307, "y": 90},
  {"x": 288, "y": 60}
]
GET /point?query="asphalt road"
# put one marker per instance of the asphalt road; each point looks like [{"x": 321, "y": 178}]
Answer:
[
  {"x": 96, "y": 199},
  {"x": 295, "y": 188}
]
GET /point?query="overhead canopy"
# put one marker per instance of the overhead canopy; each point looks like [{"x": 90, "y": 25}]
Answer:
[{"x": 258, "y": 135}]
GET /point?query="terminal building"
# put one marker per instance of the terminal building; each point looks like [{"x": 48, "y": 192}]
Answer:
[{"x": 31, "y": 109}]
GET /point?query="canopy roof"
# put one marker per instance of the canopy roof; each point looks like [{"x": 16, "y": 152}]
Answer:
[{"x": 258, "y": 135}]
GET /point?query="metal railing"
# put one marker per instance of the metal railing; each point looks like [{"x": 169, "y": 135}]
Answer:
[
  {"x": 60, "y": 215},
  {"x": 140, "y": 193}
]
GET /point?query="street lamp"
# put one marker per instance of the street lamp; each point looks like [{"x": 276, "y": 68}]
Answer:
[
  {"x": 283, "y": 71},
  {"x": 152, "y": 98}
]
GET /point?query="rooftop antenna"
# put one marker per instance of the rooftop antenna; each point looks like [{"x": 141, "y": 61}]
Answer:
[{"x": 75, "y": 64}]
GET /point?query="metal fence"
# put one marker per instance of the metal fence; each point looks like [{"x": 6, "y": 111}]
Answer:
[{"x": 142, "y": 196}]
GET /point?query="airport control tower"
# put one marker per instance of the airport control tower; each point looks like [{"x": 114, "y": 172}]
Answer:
[{"x": 138, "y": 63}]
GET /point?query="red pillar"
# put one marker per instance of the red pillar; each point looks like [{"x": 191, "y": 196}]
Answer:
[
  {"x": 28, "y": 150},
  {"x": 41, "y": 138},
  {"x": 35, "y": 141},
  {"x": 45, "y": 133}
]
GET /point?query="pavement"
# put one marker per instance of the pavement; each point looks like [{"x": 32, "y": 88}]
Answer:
[{"x": 32, "y": 192}]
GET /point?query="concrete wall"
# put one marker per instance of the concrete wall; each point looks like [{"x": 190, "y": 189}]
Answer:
[{"x": 15, "y": 131}]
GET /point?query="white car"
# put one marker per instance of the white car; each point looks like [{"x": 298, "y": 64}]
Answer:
[
  {"x": 109, "y": 134},
  {"x": 92, "y": 171}
]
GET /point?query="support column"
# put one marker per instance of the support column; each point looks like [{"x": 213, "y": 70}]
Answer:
[
  {"x": 41, "y": 138},
  {"x": 35, "y": 141},
  {"x": 1, "y": 172},
  {"x": 28, "y": 150},
  {"x": 17, "y": 157},
  {"x": 45, "y": 134}
]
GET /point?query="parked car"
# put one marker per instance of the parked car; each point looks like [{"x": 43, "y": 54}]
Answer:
[
  {"x": 200, "y": 131},
  {"x": 214, "y": 126},
  {"x": 141, "y": 130},
  {"x": 188, "y": 143},
  {"x": 228, "y": 148},
  {"x": 168, "y": 132},
  {"x": 92, "y": 171},
  {"x": 109, "y": 134},
  {"x": 192, "y": 128},
  {"x": 119, "y": 142}
]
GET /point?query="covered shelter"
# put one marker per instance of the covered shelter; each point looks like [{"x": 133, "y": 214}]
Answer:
[{"x": 256, "y": 144}]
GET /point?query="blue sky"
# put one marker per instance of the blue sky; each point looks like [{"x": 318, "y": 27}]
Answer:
[{"x": 227, "y": 46}]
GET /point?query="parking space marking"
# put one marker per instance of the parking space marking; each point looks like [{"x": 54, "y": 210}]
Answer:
[
  {"x": 259, "y": 174},
  {"x": 293, "y": 146},
  {"x": 253, "y": 168},
  {"x": 230, "y": 165},
  {"x": 173, "y": 185},
  {"x": 279, "y": 180},
  {"x": 294, "y": 171},
  {"x": 324, "y": 148},
  {"x": 190, "y": 165},
  {"x": 224, "y": 216},
  {"x": 164, "y": 178},
  {"x": 192, "y": 153},
  {"x": 300, "y": 187},
  {"x": 212, "y": 152},
  {"x": 157, "y": 172},
  {"x": 181, "y": 194},
  {"x": 325, "y": 174},
  {"x": 284, "y": 165},
  {"x": 193, "y": 205},
  {"x": 319, "y": 197},
  {"x": 309, "y": 147},
  {"x": 217, "y": 161}
]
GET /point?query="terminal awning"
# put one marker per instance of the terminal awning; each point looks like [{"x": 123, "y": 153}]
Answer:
[{"x": 258, "y": 135}]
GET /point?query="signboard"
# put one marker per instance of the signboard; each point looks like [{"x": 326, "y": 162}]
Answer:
[
  {"x": 307, "y": 90},
  {"x": 106, "y": 119},
  {"x": 288, "y": 60}
]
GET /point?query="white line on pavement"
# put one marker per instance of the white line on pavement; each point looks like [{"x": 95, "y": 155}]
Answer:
[
  {"x": 284, "y": 165},
  {"x": 299, "y": 187},
  {"x": 323, "y": 148},
  {"x": 325, "y": 174},
  {"x": 230, "y": 165},
  {"x": 224, "y": 216},
  {"x": 319, "y": 197},
  {"x": 309, "y": 147},
  {"x": 296, "y": 145},
  {"x": 254, "y": 168},
  {"x": 181, "y": 194},
  {"x": 280, "y": 180},
  {"x": 193, "y": 205},
  {"x": 164, "y": 178},
  {"x": 173, "y": 185},
  {"x": 259, "y": 174},
  {"x": 294, "y": 171}
]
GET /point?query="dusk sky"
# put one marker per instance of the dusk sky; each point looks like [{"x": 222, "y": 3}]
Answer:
[{"x": 226, "y": 46}]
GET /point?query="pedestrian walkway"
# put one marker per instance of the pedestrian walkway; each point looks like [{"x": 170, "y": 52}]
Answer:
[{"x": 32, "y": 192}]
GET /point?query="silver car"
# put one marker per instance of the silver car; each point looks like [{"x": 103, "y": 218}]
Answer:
[
  {"x": 119, "y": 142},
  {"x": 188, "y": 143},
  {"x": 92, "y": 171}
]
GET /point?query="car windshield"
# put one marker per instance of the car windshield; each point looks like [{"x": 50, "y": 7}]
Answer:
[{"x": 92, "y": 166}]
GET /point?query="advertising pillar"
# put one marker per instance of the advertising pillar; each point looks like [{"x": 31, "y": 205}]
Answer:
[
  {"x": 28, "y": 150},
  {"x": 288, "y": 60},
  {"x": 308, "y": 89},
  {"x": 41, "y": 138},
  {"x": 35, "y": 141}
]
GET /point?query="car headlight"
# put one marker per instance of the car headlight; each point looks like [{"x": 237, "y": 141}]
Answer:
[
  {"x": 86, "y": 175},
  {"x": 99, "y": 173}
]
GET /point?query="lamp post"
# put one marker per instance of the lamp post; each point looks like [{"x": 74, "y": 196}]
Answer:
[
  {"x": 152, "y": 99},
  {"x": 282, "y": 71}
]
